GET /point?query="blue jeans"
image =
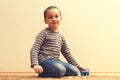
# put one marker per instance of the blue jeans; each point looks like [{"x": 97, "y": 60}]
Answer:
[{"x": 57, "y": 68}]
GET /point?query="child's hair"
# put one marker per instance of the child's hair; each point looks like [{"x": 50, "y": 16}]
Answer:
[{"x": 51, "y": 7}]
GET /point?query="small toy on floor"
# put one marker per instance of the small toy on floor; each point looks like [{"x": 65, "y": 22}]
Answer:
[{"x": 85, "y": 72}]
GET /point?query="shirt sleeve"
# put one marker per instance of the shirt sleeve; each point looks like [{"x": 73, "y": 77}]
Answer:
[
  {"x": 36, "y": 48},
  {"x": 66, "y": 53}
]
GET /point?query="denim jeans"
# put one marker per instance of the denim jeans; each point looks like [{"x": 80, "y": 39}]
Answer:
[{"x": 57, "y": 68}]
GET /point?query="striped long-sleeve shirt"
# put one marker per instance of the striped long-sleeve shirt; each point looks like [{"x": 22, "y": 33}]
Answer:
[{"x": 49, "y": 44}]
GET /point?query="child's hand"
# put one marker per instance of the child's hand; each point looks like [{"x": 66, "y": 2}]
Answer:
[
  {"x": 38, "y": 69},
  {"x": 80, "y": 68}
]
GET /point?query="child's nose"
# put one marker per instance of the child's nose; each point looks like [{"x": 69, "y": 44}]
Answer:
[{"x": 54, "y": 18}]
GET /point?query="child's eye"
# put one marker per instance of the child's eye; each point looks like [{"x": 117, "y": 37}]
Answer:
[
  {"x": 50, "y": 17},
  {"x": 56, "y": 16}
]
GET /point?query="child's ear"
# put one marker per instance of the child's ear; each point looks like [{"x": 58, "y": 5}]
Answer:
[
  {"x": 45, "y": 21},
  {"x": 61, "y": 17}
]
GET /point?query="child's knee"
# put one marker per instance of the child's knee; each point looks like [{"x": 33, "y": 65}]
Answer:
[{"x": 60, "y": 72}]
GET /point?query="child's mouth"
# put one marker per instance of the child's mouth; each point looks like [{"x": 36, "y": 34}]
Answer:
[{"x": 54, "y": 23}]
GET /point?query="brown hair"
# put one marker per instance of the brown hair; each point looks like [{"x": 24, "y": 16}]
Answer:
[{"x": 51, "y": 7}]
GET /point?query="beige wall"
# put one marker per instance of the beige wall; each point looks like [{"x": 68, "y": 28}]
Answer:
[{"x": 91, "y": 28}]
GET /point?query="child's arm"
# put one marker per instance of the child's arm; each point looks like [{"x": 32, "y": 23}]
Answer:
[
  {"x": 66, "y": 53},
  {"x": 36, "y": 48}
]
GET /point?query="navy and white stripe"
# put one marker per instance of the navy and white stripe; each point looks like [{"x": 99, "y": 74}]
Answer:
[{"x": 49, "y": 44}]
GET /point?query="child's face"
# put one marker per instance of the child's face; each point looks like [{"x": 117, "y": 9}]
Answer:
[{"x": 53, "y": 18}]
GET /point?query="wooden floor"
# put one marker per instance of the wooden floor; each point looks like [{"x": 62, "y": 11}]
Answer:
[{"x": 33, "y": 76}]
